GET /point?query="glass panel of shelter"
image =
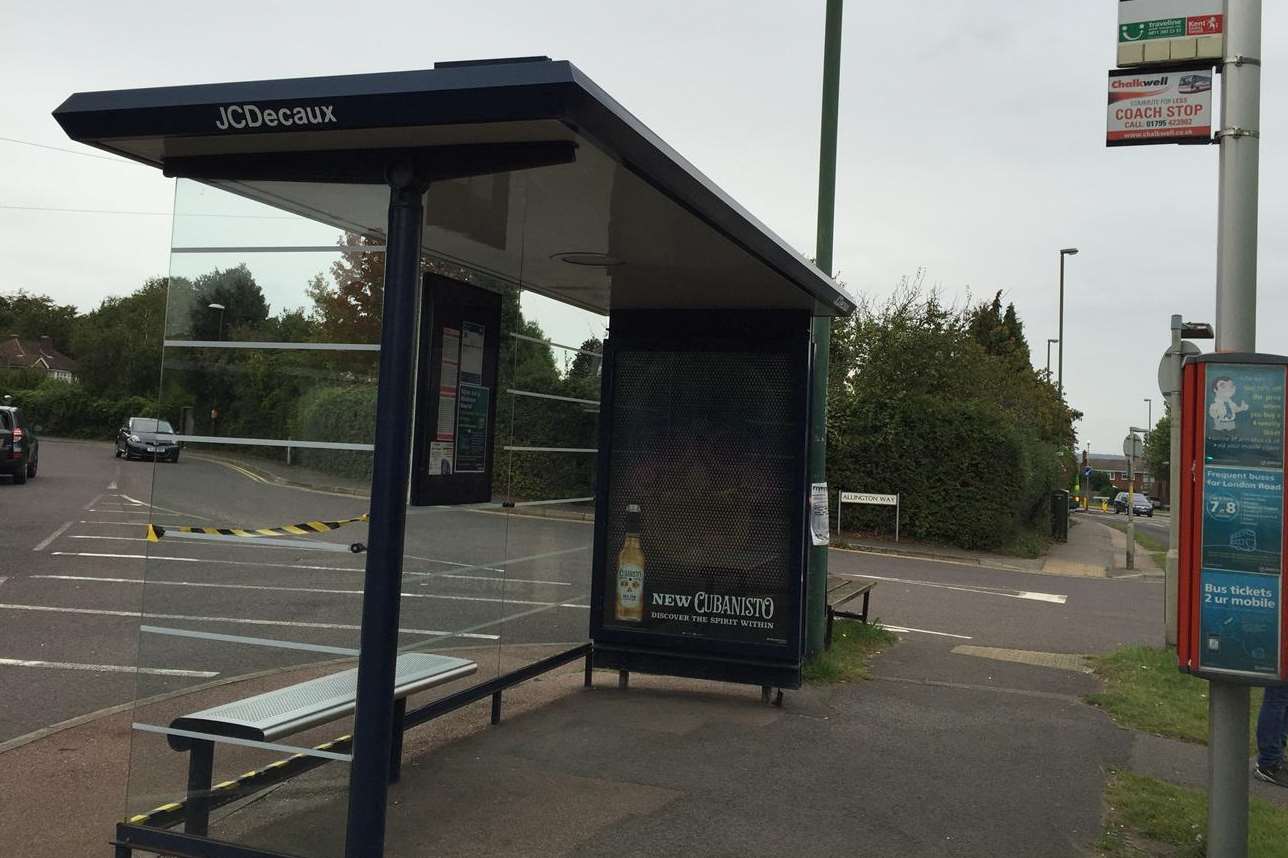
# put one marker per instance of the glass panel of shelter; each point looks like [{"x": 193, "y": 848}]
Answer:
[{"x": 252, "y": 585}]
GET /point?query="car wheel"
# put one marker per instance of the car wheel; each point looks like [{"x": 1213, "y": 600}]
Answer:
[
  {"x": 175, "y": 458},
  {"x": 116, "y": 451},
  {"x": 31, "y": 469},
  {"x": 20, "y": 476}
]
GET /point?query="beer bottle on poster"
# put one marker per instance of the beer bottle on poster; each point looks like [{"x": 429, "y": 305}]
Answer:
[{"x": 630, "y": 570}]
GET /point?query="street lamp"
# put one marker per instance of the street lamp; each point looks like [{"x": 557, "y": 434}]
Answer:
[
  {"x": 1049, "y": 342},
  {"x": 1067, "y": 251},
  {"x": 1149, "y": 405},
  {"x": 220, "y": 308}
]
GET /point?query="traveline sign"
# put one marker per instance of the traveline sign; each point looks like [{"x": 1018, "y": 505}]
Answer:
[
  {"x": 1172, "y": 106},
  {"x": 241, "y": 116}
]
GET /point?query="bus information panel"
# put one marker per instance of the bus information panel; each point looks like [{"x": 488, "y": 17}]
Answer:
[{"x": 1232, "y": 525}]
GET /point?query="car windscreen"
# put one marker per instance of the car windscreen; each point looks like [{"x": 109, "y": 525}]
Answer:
[{"x": 142, "y": 424}]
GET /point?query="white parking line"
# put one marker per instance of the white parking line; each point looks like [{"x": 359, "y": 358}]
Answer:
[
  {"x": 1053, "y": 598},
  {"x": 266, "y": 564},
  {"x": 106, "y": 668},
  {"x": 293, "y": 624},
  {"x": 328, "y": 591},
  {"x": 271, "y": 643},
  {"x": 125, "y": 523},
  {"x": 44, "y": 543}
]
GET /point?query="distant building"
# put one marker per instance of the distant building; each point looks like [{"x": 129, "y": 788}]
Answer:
[
  {"x": 1116, "y": 469},
  {"x": 39, "y": 355}
]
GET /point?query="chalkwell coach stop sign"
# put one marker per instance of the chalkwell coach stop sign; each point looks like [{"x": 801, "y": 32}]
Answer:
[{"x": 1159, "y": 106}]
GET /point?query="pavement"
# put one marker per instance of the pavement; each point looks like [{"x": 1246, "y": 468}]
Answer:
[{"x": 973, "y": 739}]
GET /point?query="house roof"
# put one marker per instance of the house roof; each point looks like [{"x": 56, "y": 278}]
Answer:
[
  {"x": 673, "y": 237},
  {"x": 34, "y": 354}
]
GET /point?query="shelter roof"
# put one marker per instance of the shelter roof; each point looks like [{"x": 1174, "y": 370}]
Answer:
[{"x": 628, "y": 223}]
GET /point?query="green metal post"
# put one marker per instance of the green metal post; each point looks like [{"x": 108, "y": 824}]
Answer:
[{"x": 816, "y": 604}]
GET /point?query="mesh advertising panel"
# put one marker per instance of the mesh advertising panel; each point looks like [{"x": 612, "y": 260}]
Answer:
[{"x": 701, "y": 546}]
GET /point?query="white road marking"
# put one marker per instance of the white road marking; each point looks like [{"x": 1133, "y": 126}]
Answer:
[
  {"x": 111, "y": 487},
  {"x": 293, "y": 624},
  {"x": 266, "y": 564},
  {"x": 106, "y": 668},
  {"x": 271, "y": 643},
  {"x": 509, "y": 562},
  {"x": 203, "y": 560},
  {"x": 1053, "y": 598},
  {"x": 157, "y": 508},
  {"x": 119, "y": 511},
  {"x": 265, "y": 587},
  {"x": 125, "y": 523},
  {"x": 44, "y": 543},
  {"x": 3, "y": 579},
  {"x": 115, "y": 538},
  {"x": 925, "y": 632},
  {"x": 90, "y": 506}
]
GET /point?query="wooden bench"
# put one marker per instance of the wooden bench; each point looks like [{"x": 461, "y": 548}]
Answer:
[
  {"x": 276, "y": 714},
  {"x": 841, "y": 591}
]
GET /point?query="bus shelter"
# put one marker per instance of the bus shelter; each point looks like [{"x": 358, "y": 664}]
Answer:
[{"x": 474, "y": 377}]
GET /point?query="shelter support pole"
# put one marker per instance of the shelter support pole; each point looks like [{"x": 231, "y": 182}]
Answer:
[
  {"x": 1236, "y": 331},
  {"x": 816, "y": 578},
  {"x": 382, "y": 591}
]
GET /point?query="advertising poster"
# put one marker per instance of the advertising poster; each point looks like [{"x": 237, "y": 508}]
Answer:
[
  {"x": 1244, "y": 406},
  {"x": 440, "y": 458},
  {"x": 471, "y": 429},
  {"x": 447, "y": 380},
  {"x": 1239, "y": 621},
  {"x": 472, "y": 341},
  {"x": 1159, "y": 106}
]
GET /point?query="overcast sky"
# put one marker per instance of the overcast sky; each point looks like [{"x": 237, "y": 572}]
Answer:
[{"x": 971, "y": 145}]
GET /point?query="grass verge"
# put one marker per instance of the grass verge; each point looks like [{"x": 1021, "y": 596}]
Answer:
[
  {"x": 1028, "y": 544},
  {"x": 1148, "y": 817},
  {"x": 1145, "y": 691},
  {"x": 853, "y": 643},
  {"x": 1155, "y": 547}
]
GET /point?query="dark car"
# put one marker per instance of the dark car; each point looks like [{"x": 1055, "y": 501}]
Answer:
[
  {"x": 19, "y": 449},
  {"x": 147, "y": 438},
  {"x": 1141, "y": 505}
]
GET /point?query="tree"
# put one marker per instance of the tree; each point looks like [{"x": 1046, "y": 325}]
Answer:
[
  {"x": 1158, "y": 446},
  {"x": 118, "y": 343},
  {"x": 943, "y": 406},
  {"x": 237, "y": 292},
  {"x": 34, "y": 316},
  {"x": 350, "y": 312}
]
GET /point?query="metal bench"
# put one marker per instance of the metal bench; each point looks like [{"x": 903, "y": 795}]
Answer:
[
  {"x": 276, "y": 714},
  {"x": 839, "y": 592}
]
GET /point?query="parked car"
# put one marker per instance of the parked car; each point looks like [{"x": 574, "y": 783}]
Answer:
[
  {"x": 147, "y": 438},
  {"x": 19, "y": 447},
  {"x": 1140, "y": 504}
]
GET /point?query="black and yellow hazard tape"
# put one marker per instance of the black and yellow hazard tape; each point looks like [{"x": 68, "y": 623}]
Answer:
[
  {"x": 225, "y": 792},
  {"x": 304, "y": 528}
]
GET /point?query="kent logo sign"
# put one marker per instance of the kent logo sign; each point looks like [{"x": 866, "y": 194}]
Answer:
[{"x": 240, "y": 116}]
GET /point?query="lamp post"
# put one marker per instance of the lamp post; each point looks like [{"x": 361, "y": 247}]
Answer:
[
  {"x": 1049, "y": 342},
  {"x": 1149, "y": 405},
  {"x": 1068, "y": 251},
  {"x": 220, "y": 308}
]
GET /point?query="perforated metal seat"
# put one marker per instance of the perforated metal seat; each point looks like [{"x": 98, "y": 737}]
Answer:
[{"x": 274, "y": 714}]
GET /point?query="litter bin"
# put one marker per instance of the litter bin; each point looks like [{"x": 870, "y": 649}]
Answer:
[{"x": 1060, "y": 516}]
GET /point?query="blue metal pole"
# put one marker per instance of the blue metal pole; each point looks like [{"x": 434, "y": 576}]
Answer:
[{"x": 382, "y": 593}]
